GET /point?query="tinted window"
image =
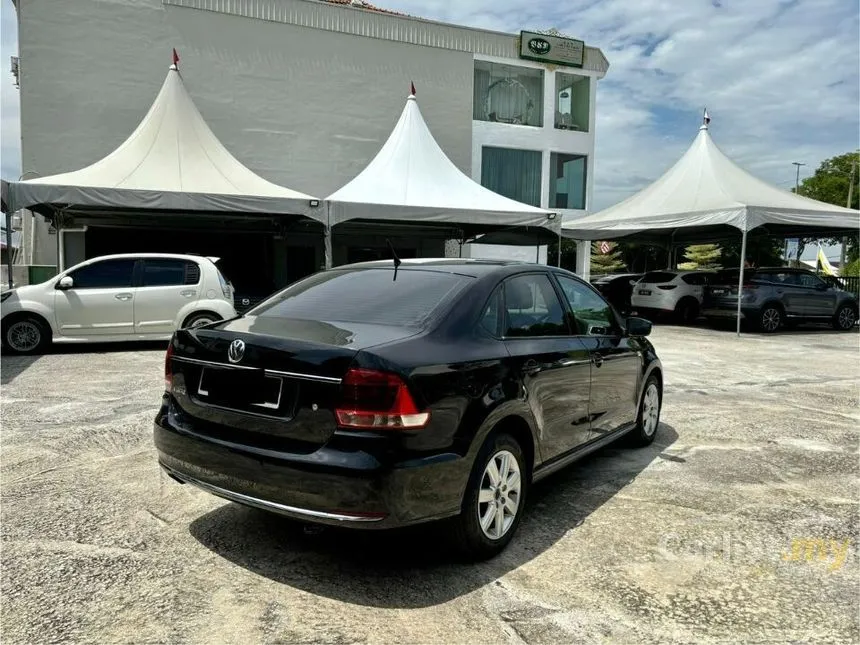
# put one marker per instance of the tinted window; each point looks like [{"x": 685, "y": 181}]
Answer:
[
  {"x": 659, "y": 277},
  {"x": 593, "y": 315},
  {"x": 808, "y": 280},
  {"x": 492, "y": 316},
  {"x": 694, "y": 279},
  {"x": 532, "y": 307},
  {"x": 104, "y": 275},
  {"x": 366, "y": 296},
  {"x": 163, "y": 273}
]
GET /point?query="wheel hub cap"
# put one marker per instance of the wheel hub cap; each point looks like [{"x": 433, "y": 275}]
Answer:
[
  {"x": 23, "y": 336},
  {"x": 499, "y": 495},
  {"x": 651, "y": 410}
]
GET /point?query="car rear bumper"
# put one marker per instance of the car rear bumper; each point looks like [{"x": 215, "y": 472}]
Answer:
[
  {"x": 350, "y": 487},
  {"x": 653, "y": 302}
]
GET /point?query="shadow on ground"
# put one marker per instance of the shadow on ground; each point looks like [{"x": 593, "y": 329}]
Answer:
[
  {"x": 12, "y": 366},
  {"x": 411, "y": 568}
]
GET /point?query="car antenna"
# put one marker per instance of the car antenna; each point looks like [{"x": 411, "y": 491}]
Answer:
[{"x": 397, "y": 261}]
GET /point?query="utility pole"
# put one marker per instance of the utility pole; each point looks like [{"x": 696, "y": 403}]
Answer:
[
  {"x": 796, "y": 164},
  {"x": 848, "y": 205}
]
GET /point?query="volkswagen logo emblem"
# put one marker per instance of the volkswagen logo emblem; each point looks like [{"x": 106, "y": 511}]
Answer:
[{"x": 236, "y": 351}]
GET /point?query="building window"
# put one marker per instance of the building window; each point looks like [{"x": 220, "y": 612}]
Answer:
[
  {"x": 508, "y": 94},
  {"x": 512, "y": 173},
  {"x": 567, "y": 180},
  {"x": 571, "y": 102}
]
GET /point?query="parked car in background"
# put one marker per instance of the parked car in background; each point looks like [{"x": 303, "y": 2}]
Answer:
[
  {"x": 774, "y": 297},
  {"x": 617, "y": 289},
  {"x": 116, "y": 298},
  {"x": 376, "y": 396},
  {"x": 673, "y": 292}
]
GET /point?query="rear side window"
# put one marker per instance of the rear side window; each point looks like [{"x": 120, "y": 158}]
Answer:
[
  {"x": 107, "y": 274},
  {"x": 694, "y": 279},
  {"x": 370, "y": 296},
  {"x": 493, "y": 314},
  {"x": 659, "y": 277},
  {"x": 163, "y": 272}
]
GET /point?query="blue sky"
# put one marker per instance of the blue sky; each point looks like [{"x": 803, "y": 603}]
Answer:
[{"x": 779, "y": 77}]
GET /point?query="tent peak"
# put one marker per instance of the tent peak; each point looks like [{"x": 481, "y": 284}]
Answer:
[{"x": 704, "y": 126}]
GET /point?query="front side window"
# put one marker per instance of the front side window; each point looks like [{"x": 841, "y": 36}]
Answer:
[
  {"x": 593, "y": 315},
  {"x": 573, "y": 93},
  {"x": 809, "y": 280},
  {"x": 508, "y": 94},
  {"x": 512, "y": 173},
  {"x": 532, "y": 308},
  {"x": 162, "y": 272},
  {"x": 107, "y": 274},
  {"x": 567, "y": 180}
]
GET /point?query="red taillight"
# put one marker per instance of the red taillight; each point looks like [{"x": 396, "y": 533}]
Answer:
[
  {"x": 667, "y": 287},
  {"x": 371, "y": 399},
  {"x": 168, "y": 369}
]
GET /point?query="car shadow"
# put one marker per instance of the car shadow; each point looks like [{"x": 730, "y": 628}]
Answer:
[
  {"x": 11, "y": 367},
  {"x": 415, "y": 567}
]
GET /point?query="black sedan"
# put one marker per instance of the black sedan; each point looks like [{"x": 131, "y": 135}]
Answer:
[{"x": 377, "y": 396}]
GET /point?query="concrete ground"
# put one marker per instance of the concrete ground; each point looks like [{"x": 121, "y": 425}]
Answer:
[{"x": 739, "y": 524}]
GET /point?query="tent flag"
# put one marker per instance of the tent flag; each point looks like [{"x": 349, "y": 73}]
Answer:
[
  {"x": 826, "y": 267},
  {"x": 175, "y": 58},
  {"x": 706, "y": 118},
  {"x": 411, "y": 88}
]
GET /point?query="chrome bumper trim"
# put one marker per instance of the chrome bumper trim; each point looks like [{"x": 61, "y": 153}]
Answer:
[{"x": 266, "y": 505}]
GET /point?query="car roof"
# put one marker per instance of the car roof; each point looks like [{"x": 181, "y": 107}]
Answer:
[
  {"x": 169, "y": 256},
  {"x": 464, "y": 266}
]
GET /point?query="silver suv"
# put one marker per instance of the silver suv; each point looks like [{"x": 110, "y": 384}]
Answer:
[{"x": 773, "y": 297}]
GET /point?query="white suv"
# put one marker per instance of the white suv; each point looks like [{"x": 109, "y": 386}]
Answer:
[
  {"x": 142, "y": 296},
  {"x": 676, "y": 292}
]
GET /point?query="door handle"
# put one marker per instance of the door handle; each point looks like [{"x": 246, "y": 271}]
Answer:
[
  {"x": 188, "y": 293},
  {"x": 597, "y": 359},
  {"x": 123, "y": 296}
]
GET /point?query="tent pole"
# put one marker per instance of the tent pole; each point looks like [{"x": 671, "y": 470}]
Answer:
[
  {"x": 558, "y": 260},
  {"x": 9, "y": 247},
  {"x": 741, "y": 277},
  {"x": 327, "y": 237}
]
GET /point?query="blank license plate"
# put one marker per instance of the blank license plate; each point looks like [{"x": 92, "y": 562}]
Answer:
[
  {"x": 644, "y": 293},
  {"x": 239, "y": 389},
  {"x": 718, "y": 292}
]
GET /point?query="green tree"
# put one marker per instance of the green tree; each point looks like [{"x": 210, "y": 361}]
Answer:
[
  {"x": 609, "y": 262},
  {"x": 829, "y": 183},
  {"x": 702, "y": 256},
  {"x": 568, "y": 254},
  {"x": 852, "y": 269},
  {"x": 762, "y": 251}
]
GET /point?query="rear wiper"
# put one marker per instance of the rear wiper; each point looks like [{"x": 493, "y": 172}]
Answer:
[{"x": 397, "y": 261}]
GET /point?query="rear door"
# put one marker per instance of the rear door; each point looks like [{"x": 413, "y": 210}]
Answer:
[
  {"x": 818, "y": 297},
  {"x": 555, "y": 366},
  {"x": 100, "y": 301},
  {"x": 616, "y": 359},
  {"x": 165, "y": 286}
]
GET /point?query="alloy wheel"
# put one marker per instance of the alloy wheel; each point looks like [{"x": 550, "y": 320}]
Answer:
[
  {"x": 770, "y": 319},
  {"x": 24, "y": 336},
  {"x": 651, "y": 410},
  {"x": 847, "y": 318},
  {"x": 499, "y": 495}
]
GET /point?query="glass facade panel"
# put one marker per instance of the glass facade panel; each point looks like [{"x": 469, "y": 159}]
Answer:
[
  {"x": 512, "y": 173},
  {"x": 508, "y": 94},
  {"x": 572, "y": 102},
  {"x": 567, "y": 180}
]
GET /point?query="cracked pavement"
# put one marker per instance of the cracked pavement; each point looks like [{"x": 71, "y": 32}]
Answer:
[{"x": 739, "y": 524}]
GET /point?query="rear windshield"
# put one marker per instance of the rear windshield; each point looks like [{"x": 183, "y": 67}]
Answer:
[
  {"x": 366, "y": 296},
  {"x": 656, "y": 277}
]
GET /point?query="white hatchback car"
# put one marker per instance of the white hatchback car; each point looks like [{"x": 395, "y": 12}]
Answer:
[
  {"x": 676, "y": 292},
  {"x": 141, "y": 296}
]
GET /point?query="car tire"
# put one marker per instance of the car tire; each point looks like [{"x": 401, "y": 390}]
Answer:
[
  {"x": 845, "y": 318},
  {"x": 770, "y": 319},
  {"x": 199, "y": 319},
  {"x": 648, "y": 416},
  {"x": 485, "y": 525},
  {"x": 687, "y": 311},
  {"x": 25, "y": 334}
]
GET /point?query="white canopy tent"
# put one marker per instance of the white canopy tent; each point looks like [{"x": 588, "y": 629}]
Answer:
[
  {"x": 171, "y": 162},
  {"x": 411, "y": 179},
  {"x": 705, "y": 195}
]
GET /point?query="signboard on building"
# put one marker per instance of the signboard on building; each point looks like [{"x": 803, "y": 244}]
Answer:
[{"x": 551, "y": 49}]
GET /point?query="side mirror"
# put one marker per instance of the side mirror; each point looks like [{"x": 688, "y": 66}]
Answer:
[
  {"x": 638, "y": 327},
  {"x": 66, "y": 282}
]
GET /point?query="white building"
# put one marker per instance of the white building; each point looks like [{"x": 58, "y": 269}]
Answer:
[{"x": 304, "y": 93}]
